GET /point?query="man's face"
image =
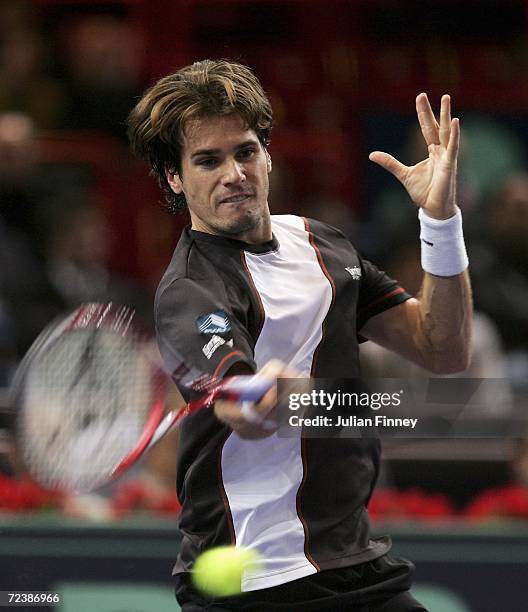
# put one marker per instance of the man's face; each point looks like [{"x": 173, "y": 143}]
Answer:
[{"x": 224, "y": 176}]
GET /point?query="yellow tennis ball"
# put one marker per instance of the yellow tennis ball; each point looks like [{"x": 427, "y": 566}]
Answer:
[{"x": 218, "y": 571}]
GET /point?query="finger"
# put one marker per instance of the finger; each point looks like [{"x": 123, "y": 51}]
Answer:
[
  {"x": 427, "y": 120},
  {"x": 445, "y": 120},
  {"x": 250, "y": 414},
  {"x": 454, "y": 140},
  {"x": 390, "y": 163},
  {"x": 231, "y": 414},
  {"x": 228, "y": 412},
  {"x": 267, "y": 403}
]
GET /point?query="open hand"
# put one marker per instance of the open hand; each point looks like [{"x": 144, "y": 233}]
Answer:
[{"x": 431, "y": 183}]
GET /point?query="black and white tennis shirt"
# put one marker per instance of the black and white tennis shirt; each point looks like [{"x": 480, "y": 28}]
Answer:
[{"x": 301, "y": 298}]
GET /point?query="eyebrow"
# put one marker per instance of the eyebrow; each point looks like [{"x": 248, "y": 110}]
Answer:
[{"x": 200, "y": 152}]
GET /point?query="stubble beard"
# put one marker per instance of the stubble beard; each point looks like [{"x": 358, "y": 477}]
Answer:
[
  {"x": 247, "y": 223},
  {"x": 251, "y": 219}
]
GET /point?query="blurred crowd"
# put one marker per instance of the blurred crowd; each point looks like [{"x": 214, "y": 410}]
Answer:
[
  {"x": 56, "y": 239},
  {"x": 82, "y": 76}
]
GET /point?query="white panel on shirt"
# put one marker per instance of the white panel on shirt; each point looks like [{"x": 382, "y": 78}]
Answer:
[{"x": 262, "y": 477}]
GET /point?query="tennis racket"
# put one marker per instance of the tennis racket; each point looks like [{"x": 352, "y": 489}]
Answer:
[{"x": 90, "y": 397}]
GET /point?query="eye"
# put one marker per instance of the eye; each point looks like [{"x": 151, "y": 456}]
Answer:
[
  {"x": 248, "y": 153},
  {"x": 207, "y": 162}
]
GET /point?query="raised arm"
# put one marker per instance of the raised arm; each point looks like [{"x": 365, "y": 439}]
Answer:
[{"x": 433, "y": 329}]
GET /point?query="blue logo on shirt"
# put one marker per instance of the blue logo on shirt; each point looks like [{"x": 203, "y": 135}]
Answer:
[{"x": 214, "y": 323}]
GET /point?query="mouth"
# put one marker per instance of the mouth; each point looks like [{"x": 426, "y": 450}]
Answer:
[{"x": 237, "y": 198}]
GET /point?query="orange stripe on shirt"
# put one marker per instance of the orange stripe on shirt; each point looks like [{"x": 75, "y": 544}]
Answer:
[
  {"x": 262, "y": 312},
  {"x": 332, "y": 285},
  {"x": 224, "y": 359},
  {"x": 298, "y": 507},
  {"x": 392, "y": 293}
]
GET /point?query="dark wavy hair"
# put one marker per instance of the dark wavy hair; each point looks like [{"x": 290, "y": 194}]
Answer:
[{"x": 204, "y": 89}]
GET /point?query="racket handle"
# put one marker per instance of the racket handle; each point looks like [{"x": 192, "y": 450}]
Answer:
[
  {"x": 246, "y": 388},
  {"x": 237, "y": 388}
]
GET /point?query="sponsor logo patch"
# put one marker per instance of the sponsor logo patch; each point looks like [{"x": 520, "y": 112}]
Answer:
[
  {"x": 213, "y": 344},
  {"x": 355, "y": 272},
  {"x": 214, "y": 323}
]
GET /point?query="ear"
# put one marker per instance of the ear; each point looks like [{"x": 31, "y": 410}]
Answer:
[
  {"x": 173, "y": 178},
  {"x": 268, "y": 161}
]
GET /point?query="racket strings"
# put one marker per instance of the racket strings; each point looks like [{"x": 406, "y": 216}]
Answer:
[{"x": 87, "y": 397}]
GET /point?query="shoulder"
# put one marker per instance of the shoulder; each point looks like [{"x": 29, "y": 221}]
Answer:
[
  {"x": 179, "y": 263},
  {"x": 320, "y": 229},
  {"x": 187, "y": 276}
]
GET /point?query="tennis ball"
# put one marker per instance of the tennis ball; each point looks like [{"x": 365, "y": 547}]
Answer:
[{"x": 218, "y": 571}]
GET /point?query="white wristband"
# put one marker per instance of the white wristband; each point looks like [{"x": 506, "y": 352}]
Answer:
[{"x": 442, "y": 242}]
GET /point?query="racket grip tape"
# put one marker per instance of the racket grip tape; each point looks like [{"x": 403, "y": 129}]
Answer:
[{"x": 246, "y": 388}]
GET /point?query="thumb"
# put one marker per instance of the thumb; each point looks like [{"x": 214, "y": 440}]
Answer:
[{"x": 390, "y": 163}]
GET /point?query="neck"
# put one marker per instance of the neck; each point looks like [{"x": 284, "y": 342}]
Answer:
[{"x": 259, "y": 234}]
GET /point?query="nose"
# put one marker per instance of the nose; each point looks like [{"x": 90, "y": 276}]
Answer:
[{"x": 234, "y": 172}]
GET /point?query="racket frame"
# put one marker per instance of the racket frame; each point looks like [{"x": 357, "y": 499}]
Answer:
[{"x": 122, "y": 320}]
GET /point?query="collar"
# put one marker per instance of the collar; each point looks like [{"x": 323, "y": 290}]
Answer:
[{"x": 231, "y": 243}]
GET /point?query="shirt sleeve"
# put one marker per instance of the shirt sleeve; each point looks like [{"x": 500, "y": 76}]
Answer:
[
  {"x": 197, "y": 332},
  {"x": 378, "y": 292}
]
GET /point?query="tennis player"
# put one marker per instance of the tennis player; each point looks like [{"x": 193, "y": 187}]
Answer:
[{"x": 245, "y": 286}]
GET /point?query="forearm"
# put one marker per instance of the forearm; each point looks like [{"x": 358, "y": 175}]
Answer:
[
  {"x": 445, "y": 312},
  {"x": 433, "y": 330}
]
